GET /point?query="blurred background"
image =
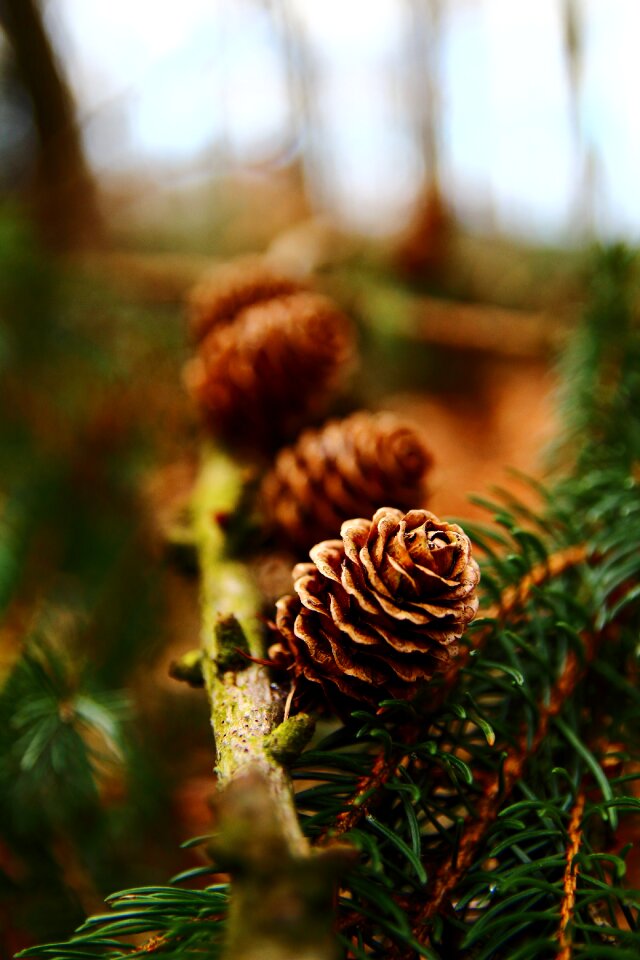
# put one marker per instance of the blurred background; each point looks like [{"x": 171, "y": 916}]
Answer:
[
  {"x": 524, "y": 114},
  {"x": 438, "y": 166}
]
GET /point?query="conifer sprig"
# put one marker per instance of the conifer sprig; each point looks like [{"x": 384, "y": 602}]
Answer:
[{"x": 461, "y": 812}]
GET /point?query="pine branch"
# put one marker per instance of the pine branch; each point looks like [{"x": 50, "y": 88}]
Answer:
[
  {"x": 497, "y": 789},
  {"x": 570, "y": 877},
  {"x": 277, "y": 882},
  {"x": 428, "y": 789},
  {"x": 554, "y": 566},
  {"x": 74, "y": 873},
  {"x": 244, "y": 706}
]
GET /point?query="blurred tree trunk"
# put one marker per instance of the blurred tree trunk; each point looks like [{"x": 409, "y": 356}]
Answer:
[
  {"x": 585, "y": 155},
  {"x": 64, "y": 194},
  {"x": 424, "y": 43},
  {"x": 301, "y": 80},
  {"x": 423, "y": 249}
]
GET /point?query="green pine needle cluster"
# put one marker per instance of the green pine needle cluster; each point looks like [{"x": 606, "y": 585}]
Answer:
[
  {"x": 60, "y": 736},
  {"x": 184, "y": 922}
]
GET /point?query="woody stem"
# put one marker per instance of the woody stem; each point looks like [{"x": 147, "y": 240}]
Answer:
[{"x": 260, "y": 841}]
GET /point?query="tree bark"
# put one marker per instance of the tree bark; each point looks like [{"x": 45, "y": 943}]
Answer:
[
  {"x": 282, "y": 891},
  {"x": 64, "y": 193}
]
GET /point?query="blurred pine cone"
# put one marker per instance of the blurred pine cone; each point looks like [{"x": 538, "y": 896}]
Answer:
[
  {"x": 230, "y": 287},
  {"x": 348, "y": 467},
  {"x": 379, "y": 611},
  {"x": 260, "y": 378}
]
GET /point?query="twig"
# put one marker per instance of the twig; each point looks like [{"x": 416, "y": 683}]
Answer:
[
  {"x": 386, "y": 764},
  {"x": 553, "y": 566},
  {"x": 570, "y": 878},
  {"x": 486, "y": 328},
  {"x": 230, "y": 606},
  {"x": 75, "y": 874},
  {"x": 278, "y": 882}
]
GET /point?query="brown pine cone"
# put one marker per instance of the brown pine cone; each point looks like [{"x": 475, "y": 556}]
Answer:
[
  {"x": 230, "y": 287},
  {"x": 380, "y": 611},
  {"x": 259, "y": 379},
  {"x": 348, "y": 467}
]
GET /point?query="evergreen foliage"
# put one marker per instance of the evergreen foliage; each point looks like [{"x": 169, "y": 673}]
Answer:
[
  {"x": 70, "y": 563},
  {"x": 491, "y": 820}
]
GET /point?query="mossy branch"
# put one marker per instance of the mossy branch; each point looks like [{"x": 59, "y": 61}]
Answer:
[{"x": 281, "y": 892}]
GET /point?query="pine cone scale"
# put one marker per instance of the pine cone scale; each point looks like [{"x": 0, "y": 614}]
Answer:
[
  {"x": 327, "y": 558},
  {"x": 363, "y": 668},
  {"x": 311, "y": 591},
  {"x": 230, "y": 287},
  {"x": 363, "y": 632},
  {"x": 421, "y": 668},
  {"x": 354, "y": 583}
]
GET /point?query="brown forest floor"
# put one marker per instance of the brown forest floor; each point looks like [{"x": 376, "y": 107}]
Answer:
[{"x": 505, "y": 424}]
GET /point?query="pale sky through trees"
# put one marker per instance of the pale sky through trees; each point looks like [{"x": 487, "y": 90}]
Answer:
[{"x": 204, "y": 84}]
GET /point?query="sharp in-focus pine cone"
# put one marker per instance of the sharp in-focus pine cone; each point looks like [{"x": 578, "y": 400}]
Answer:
[
  {"x": 380, "y": 611},
  {"x": 349, "y": 467},
  {"x": 260, "y": 378},
  {"x": 231, "y": 287}
]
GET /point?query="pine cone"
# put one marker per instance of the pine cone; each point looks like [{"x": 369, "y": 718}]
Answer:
[
  {"x": 259, "y": 379},
  {"x": 231, "y": 287},
  {"x": 349, "y": 467},
  {"x": 381, "y": 610}
]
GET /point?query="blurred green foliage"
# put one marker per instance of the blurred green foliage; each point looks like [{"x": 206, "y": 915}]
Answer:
[{"x": 88, "y": 385}]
